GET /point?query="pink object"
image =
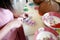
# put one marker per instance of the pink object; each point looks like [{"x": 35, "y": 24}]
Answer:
[{"x": 5, "y": 16}]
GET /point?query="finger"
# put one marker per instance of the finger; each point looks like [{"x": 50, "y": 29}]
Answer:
[
  {"x": 20, "y": 19},
  {"x": 25, "y": 15}
]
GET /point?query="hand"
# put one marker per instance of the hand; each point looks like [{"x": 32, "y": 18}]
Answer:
[{"x": 15, "y": 23}]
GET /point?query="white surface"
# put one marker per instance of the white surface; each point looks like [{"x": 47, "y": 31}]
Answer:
[
  {"x": 37, "y": 18},
  {"x": 31, "y": 37},
  {"x": 30, "y": 0},
  {"x": 45, "y": 34}
]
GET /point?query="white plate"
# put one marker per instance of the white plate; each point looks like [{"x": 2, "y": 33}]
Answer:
[
  {"x": 46, "y": 32},
  {"x": 51, "y": 18}
]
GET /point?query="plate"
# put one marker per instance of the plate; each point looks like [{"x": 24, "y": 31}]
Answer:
[
  {"x": 52, "y": 19},
  {"x": 45, "y": 33}
]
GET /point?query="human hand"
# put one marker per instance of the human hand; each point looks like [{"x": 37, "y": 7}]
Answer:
[{"x": 15, "y": 23}]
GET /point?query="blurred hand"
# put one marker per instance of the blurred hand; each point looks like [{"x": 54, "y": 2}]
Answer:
[{"x": 15, "y": 23}]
